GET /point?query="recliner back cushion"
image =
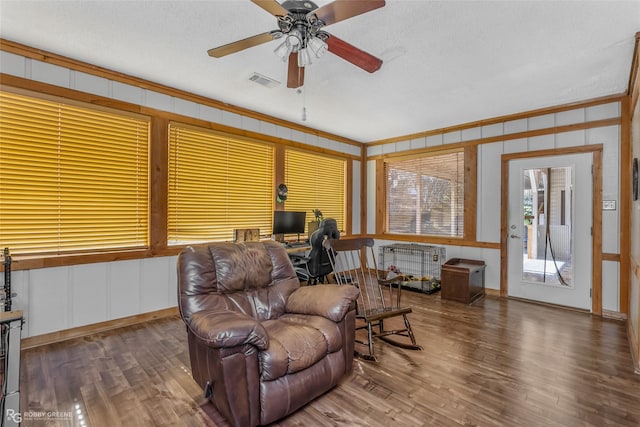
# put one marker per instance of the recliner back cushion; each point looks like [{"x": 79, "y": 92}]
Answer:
[
  {"x": 241, "y": 267},
  {"x": 254, "y": 278}
]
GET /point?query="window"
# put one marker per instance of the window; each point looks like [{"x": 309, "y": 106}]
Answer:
[
  {"x": 425, "y": 195},
  {"x": 72, "y": 178},
  {"x": 316, "y": 181},
  {"x": 217, "y": 183}
]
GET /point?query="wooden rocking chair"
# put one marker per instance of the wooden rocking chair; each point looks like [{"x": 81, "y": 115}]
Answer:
[{"x": 354, "y": 263}]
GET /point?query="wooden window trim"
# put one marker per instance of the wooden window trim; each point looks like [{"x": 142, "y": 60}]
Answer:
[
  {"x": 158, "y": 152},
  {"x": 316, "y": 169},
  {"x": 78, "y": 131},
  {"x": 208, "y": 199},
  {"x": 469, "y": 201}
]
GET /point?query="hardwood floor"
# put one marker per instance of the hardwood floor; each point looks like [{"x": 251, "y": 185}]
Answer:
[{"x": 495, "y": 363}]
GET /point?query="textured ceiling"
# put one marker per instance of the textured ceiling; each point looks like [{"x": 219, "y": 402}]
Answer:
[{"x": 445, "y": 62}]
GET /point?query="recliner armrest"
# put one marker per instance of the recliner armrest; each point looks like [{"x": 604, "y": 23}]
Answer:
[
  {"x": 330, "y": 301},
  {"x": 221, "y": 329}
]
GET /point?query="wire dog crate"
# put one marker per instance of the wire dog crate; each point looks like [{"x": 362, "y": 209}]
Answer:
[{"x": 419, "y": 264}]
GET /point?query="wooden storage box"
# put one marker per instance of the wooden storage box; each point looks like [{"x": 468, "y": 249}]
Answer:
[{"x": 462, "y": 280}]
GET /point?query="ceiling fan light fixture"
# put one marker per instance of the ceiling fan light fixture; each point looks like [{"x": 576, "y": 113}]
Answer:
[
  {"x": 301, "y": 26},
  {"x": 283, "y": 50},
  {"x": 304, "y": 57},
  {"x": 317, "y": 46},
  {"x": 294, "y": 40}
]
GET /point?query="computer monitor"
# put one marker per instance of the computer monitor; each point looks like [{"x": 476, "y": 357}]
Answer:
[{"x": 288, "y": 222}]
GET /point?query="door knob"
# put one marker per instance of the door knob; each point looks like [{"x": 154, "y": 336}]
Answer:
[{"x": 513, "y": 236}]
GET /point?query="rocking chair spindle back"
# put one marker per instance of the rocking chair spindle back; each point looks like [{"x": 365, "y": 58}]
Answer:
[{"x": 354, "y": 263}]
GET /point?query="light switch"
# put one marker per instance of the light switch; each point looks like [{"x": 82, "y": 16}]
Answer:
[{"x": 608, "y": 205}]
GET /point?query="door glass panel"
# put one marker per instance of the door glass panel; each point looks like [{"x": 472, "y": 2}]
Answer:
[{"x": 547, "y": 202}]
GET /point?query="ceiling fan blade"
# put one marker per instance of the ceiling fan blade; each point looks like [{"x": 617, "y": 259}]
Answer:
[
  {"x": 295, "y": 74},
  {"x": 272, "y": 6},
  {"x": 218, "y": 52},
  {"x": 339, "y": 10},
  {"x": 350, "y": 53}
]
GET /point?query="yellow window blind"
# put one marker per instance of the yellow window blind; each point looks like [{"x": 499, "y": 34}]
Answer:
[
  {"x": 316, "y": 181},
  {"x": 217, "y": 183},
  {"x": 425, "y": 195},
  {"x": 72, "y": 178}
]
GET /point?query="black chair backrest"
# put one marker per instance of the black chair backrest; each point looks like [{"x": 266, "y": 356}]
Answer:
[{"x": 319, "y": 264}]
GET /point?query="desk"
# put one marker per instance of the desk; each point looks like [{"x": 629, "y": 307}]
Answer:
[
  {"x": 298, "y": 257},
  {"x": 296, "y": 249},
  {"x": 292, "y": 249}
]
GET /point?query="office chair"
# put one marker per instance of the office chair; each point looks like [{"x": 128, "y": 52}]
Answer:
[{"x": 316, "y": 266}]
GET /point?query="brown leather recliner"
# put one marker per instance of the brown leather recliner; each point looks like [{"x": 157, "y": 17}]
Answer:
[{"x": 261, "y": 346}]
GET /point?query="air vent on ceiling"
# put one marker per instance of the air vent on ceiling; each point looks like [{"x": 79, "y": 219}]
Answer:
[{"x": 264, "y": 80}]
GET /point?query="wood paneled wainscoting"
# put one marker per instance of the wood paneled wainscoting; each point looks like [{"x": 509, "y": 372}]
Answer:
[{"x": 497, "y": 362}]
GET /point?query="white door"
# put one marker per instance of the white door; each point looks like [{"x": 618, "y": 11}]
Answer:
[{"x": 549, "y": 230}]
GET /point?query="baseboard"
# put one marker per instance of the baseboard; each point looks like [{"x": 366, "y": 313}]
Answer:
[
  {"x": 492, "y": 292},
  {"x": 81, "y": 331},
  {"x": 633, "y": 344},
  {"x": 615, "y": 315},
  {"x": 548, "y": 304}
]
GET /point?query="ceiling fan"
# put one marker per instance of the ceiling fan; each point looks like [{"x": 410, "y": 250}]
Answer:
[{"x": 301, "y": 24}]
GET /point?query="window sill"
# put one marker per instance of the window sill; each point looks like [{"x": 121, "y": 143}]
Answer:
[
  {"x": 30, "y": 262},
  {"x": 437, "y": 240}
]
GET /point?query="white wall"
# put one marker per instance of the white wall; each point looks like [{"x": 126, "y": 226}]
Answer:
[
  {"x": 59, "y": 76},
  {"x": 371, "y": 197},
  {"x": 489, "y": 180},
  {"x": 59, "y": 298},
  {"x": 491, "y": 258},
  {"x": 356, "y": 196}
]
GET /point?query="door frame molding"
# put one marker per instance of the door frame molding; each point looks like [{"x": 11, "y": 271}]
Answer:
[{"x": 596, "y": 221}]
